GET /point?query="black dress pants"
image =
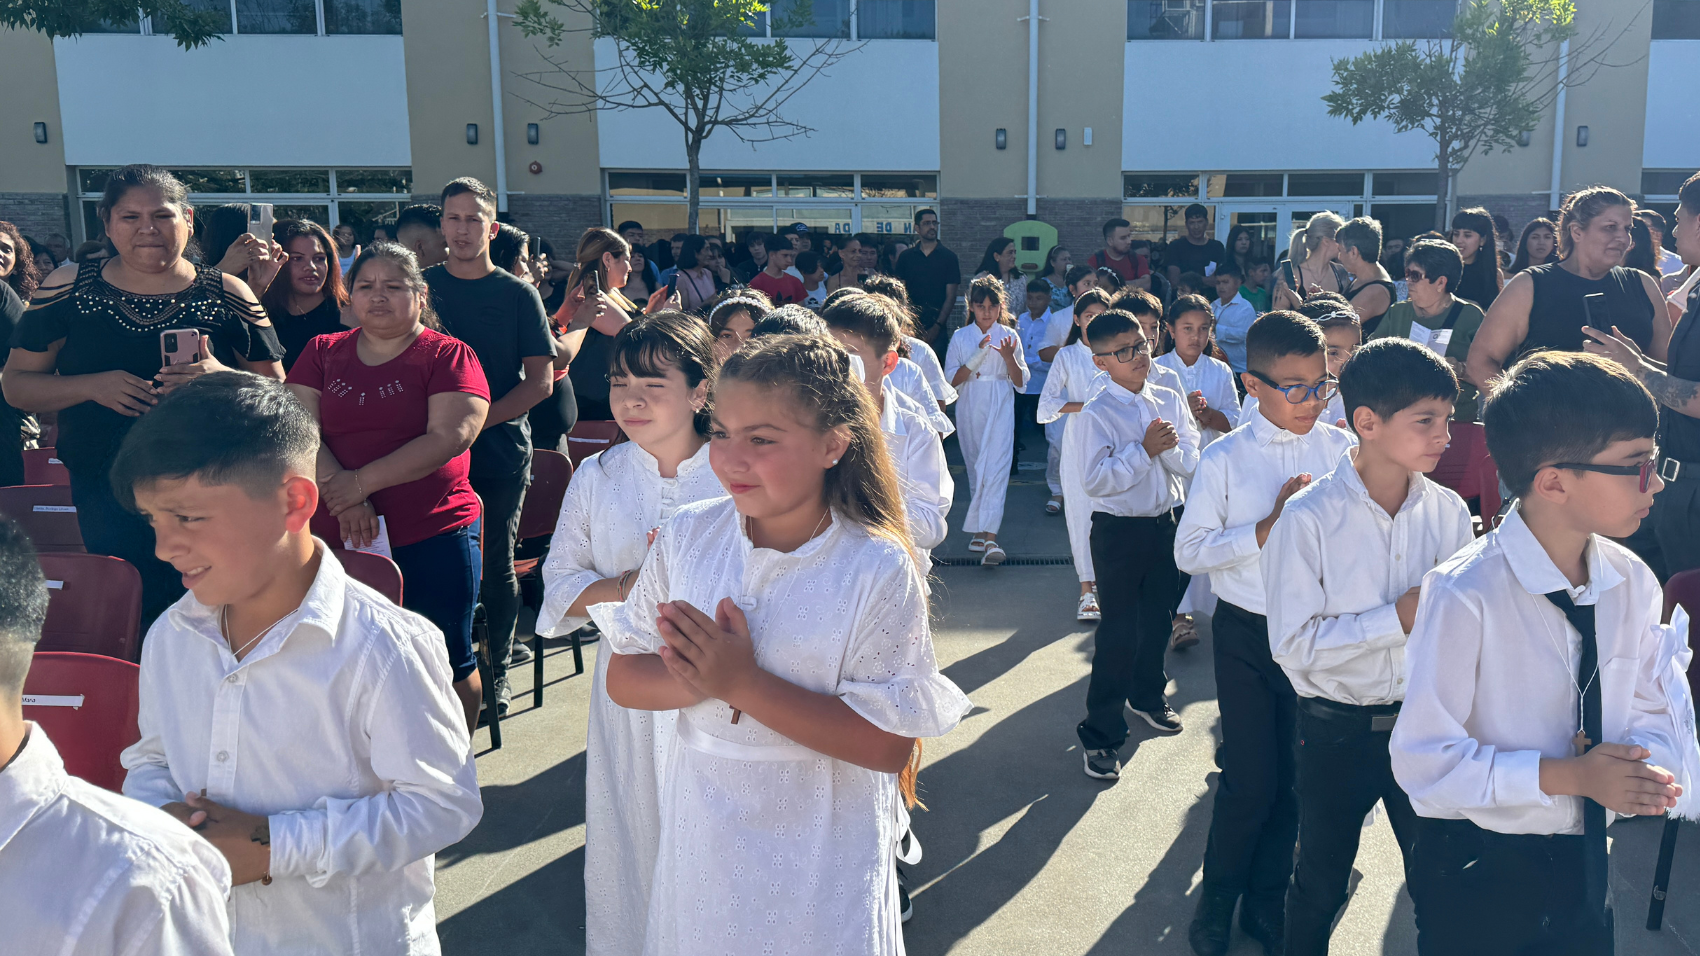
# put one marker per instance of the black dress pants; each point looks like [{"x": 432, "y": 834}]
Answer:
[
  {"x": 1255, "y": 822},
  {"x": 503, "y": 497},
  {"x": 1482, "y": 893},
  {"x": 1344, "y": 768},
  {"x": 1135, "y": 562}
]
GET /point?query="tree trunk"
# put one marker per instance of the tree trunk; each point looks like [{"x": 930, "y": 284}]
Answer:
[
  {"x": 693, "y": 179},
  {"x": 1443, "y": 185}
]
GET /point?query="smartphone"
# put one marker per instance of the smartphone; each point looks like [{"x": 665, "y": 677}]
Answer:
[
  {"x": 260, "y": 220},
  {"x": 595, "y": 282},
  {"x": 1598, "y": 313},
  {"x": 179, "y": 347}
]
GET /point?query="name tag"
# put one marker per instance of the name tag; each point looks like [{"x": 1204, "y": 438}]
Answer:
[
  {"x": 56, "y": 585},
  {"x": 54, "y": 461},
  {"x": 51, "y": 700},
  {"x": 1435, "y": 340},
  {"x": 55, "y": 509}
]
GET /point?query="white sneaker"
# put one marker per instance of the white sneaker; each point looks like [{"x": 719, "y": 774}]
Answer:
[
  {"x": 994, "y": 555},
  {"x": 1088, "y": 608}
]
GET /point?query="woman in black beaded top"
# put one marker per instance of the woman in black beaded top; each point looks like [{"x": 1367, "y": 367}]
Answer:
[{"x": 89, "y": 348}]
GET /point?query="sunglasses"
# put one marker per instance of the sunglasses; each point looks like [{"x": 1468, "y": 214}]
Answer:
[
  {"x": 1644, "y": 471},
  {"x": 1299, "y": 394},
  {"x": 1415, "y": 275}
]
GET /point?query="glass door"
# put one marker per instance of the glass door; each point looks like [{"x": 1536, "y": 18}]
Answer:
[{"x": 1264, "y": 223}]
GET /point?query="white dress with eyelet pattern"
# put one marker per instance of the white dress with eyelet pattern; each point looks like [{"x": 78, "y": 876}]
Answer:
[
  {"x": 615, "y": 499},
  {"x": 770, "y": 847}
]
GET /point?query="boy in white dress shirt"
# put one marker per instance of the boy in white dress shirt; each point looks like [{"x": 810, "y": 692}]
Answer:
[
  {"x": 1034, "y": 326},
  {"x": 83, "y": 871},
  {"x": 1539, "y": 696},
  {"x": 1340, "y": 571},
  {"x": 1138, "y": 447},
  {"x": 1243, "y": 481},
  {"x": 302, "y": 723}
]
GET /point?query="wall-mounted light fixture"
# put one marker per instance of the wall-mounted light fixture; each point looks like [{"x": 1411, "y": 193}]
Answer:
[
  {"x": 41, "y": 132},
  {"x": 1062, "y": 138},
  {"x": 1523, "y": 138},
  {"x": 472, "y": 134},
  {"x": 1001, "y": 139},
  {"x": 531, "y": 133},
  {"x": 1086, "y": 138},
  {"x": 1581, "y": 135}
]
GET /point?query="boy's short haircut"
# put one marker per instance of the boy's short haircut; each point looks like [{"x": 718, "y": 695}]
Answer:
[
  {"x": 466, "y": 185},
  {"x": 1362, "y": 234},
  {"x": 1437, "y": 258},
  {"x": 807, "y": 262},
  {"x": 1192, "y": 280},
  {"x": 23, "y": 607},
  {"x": 872, "y": 317},
  {"x": 1390, "y": 375},
  {"x": 1279, "y": 333},
  {"x": 1689, "y": 195},
  {"x": 1114, "y": 224},
  {"x": 423, "y": 214},
  {"x": 1562, "y": 406},
  {"x": 792, "y": 319},
  {"x": 1230, "y": 268},
  {"x": 1138, "y": 302},
  {"x": 1111, "y": 324},
  {"x": 1035, "y": 286},
  {"x": 1184, "y": 304},
  {"x": 1092, "y": 297},
  {"x": 223, "y": 428},
  {"x": 1196, "y": 211}
]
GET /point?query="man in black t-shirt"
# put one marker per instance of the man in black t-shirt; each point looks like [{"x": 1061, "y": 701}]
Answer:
[
  {"x": 931, "y": 273},
  {"x": 502, "y": 318},
  {"x": 1191, "y": 251}
]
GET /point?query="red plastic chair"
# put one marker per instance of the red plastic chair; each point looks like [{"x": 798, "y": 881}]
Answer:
[
  {"x": 94, "y": 605},
  {"x": 42, "y": 467},
  {"x": 373, "y": 570},
  {"x": 588, "y": 438},
  {"x": 551, "y": 472},
  {"x": 87, "y": 704},
  {"x": 1467, "y": 468},
  {"x": 46, "y": 514}
]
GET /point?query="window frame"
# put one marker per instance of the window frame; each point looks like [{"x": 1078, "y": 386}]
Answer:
[
  {"x": 857, "y": 202},
  {"x": 855, "y": 20},
  {"x": 1207, "y": 27},
  {"x": 145, "y": 25}
]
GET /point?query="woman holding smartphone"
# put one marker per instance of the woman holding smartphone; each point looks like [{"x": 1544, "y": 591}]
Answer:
[
  {"x": 90, "y": 347},
  {"x": 594, "y": 312}
]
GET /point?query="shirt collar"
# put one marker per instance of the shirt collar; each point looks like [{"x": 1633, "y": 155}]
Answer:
[
  {"x": 697, "y": 460},
  {"x": 33, "y": 781},
  {"x": 1124, "y": 395},
  {"x": 1348, "y": 472},
  {"x": 890, "y": 422},
  {"x": 1535, "y": 571},
  {"x": 321, "y": 610},
  {"x": 1267, "y": 432}
]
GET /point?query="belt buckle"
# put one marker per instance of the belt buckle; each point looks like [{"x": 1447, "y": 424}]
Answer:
[
  {"x": 1669, "y": 469},
  {"x": 1382, "y": 723}
]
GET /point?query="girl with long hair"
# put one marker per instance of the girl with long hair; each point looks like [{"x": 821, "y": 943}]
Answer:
[
  {"x": 1242, "y": 247},
  {"x": 1537, "y": 246},
  {"x": 986, "y": 365},
  {"x": 1311, "y": 266},
  {"x": 663, "y": 369},
  {"x": 1058, "y": 262},
  {"x": 1473, "y": 234},
  {"x": 733, "y": 317},
  {"x": 594, "y": 311},
  {"x": 307, "y": 298},
  {"x": 1074, "y": 379},
  {"x": 788, "y": 628},
  {"x": 17, "y": 263},
  {"x": 999, "y": 262}
]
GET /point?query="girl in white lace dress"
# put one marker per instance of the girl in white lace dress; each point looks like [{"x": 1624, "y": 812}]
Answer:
[
  {"x": 788, "y": 626},
  {"x": 658, "y": 390},
  {"x": 1072, "y": 383}
]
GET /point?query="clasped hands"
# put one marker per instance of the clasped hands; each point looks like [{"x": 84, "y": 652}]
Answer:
[
  {"x": 345, "y": 499},
  {"x": 712, "y": 657},
  {"x": 244, "y": 838}
]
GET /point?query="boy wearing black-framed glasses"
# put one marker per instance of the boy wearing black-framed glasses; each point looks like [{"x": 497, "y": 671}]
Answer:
[
  {"x": 1543, "y": 690},
  {"x": 1242, "y": 484}
]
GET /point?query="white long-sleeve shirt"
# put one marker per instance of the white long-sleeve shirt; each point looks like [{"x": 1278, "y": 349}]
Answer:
[
  {"x": 1122, "y": 478},
  {"x": 1035, "y": 335},
  {"x": 917, "y": 452},
  {"x": 923, "y": 356},
  {"x": 1493, "y": 686},
  {"x": 1234, "y": 488},
  {"x": 342, "y": 728},
  {"x": 86, "y": 872},
  {"x": 1073, "y": 378},
  {"x": 1334, "y": 568},
  {"x": 1215, "y": 379},
  {"x": 908, "y": 378}
]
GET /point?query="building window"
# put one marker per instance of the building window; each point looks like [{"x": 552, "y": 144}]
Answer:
[
  {"x": 847, "y": 20},
  {"x": 895, "y": 20},
  {"x": 1417, "y": 19},
  {"x": 299, "y": 17},
  {"x": 1273, "y": 204},
  {"x": 1251, "y": 19},
  {"x": 277, "y": 16},
  {"x": 1663, "y": 182},
  {"x": 1160, "y": 186},
  {"x": 1334, "y": 19},
  {"x": 1286, "y": 19},
  {"x": 733, "y": 204},
  {"x": 1676, "y": 19},
  {"x": 362, "y": 198},
  {"x": 1165, "y": 19}
]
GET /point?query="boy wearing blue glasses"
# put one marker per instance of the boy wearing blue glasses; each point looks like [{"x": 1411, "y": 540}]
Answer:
[
  {"x": 1544, "y": 697},
  {"x": 1242, "y": 483}
]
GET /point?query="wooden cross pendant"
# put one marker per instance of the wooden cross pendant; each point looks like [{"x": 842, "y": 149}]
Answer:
[{"x": 1581, "y": 743}]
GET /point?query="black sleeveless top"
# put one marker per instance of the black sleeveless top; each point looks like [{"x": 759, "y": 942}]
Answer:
[
  {"x": 1556, "y": 315},
  {"x": 1369, "y": 322},
  {"x": 1679, "y": 435},
  {"x": 106, "y": 328}
]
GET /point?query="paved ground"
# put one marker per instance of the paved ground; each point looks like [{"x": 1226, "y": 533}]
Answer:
[{"x": 1024, "y": 853}]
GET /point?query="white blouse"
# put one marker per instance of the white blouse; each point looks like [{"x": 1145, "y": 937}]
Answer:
[
  {"x": 1215, "y": 379},
  {"x": 773, "y": 847}
]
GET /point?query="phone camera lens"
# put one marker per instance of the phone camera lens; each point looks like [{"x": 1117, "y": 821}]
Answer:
[{"x": 171, "y": 341}]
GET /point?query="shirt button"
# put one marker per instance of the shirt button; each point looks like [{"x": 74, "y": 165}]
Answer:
[
  {"x": 223, "y": 755},
  {"x": 231, "y": 679}
]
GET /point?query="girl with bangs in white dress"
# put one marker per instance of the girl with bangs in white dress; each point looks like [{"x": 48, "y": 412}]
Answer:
[
  {"x": 1074, "y": 379},
  {"x": 658, "y": 390},
  {"x": 986, "y": 367},
  {"x": 788, "y": 627}
]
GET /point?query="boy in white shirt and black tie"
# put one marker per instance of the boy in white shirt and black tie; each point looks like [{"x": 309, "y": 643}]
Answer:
[
  {"x": 1541, "y": 692},
  {"x": 1138, "y": 447},
  {"x": 298, "y": 720},
  {"x": 1244, "y": 479},
  {"x": 1340, "y": 573}
]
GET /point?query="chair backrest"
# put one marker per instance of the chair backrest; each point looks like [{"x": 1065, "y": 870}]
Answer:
[
  {"x": 1683, "y": 589},
  {"x": 588, "y": 438},
  {"x": 551, "y": 472},
  {"x": 88, "y": 705},
  {"x": 373, "y": 570},
  {"x": 94, "y": 605},
  {"x": 46, "y": 514},
  {"x": 43, "y": 467}
]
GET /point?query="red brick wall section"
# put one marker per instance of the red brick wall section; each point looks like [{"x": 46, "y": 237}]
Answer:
[
  {"x": 561, "y": 219},
  {"x": 967, "y": 226},
  {"x": 37, "y": 215}
]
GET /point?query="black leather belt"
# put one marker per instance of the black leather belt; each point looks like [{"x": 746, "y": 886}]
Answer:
[
  {"x": 1671, "y": 470},
  {"x": 1381, "y": 717}
]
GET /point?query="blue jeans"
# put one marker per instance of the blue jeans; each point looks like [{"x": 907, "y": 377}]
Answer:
[{"x": 439, "y": 579}]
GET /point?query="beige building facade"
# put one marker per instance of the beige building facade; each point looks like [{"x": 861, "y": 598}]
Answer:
[{"x": 1135, "y": 108}]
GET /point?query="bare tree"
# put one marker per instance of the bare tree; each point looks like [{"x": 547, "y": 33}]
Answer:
[{"x": 695, "y": 60}]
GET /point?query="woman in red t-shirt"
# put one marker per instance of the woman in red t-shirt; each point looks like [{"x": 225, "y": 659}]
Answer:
[{"x": 399, "y": 403}]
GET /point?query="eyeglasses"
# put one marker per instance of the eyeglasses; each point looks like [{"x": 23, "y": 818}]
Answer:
[
  {"x": 1123, "y": 355},
  {"x": 1415, "y": 275},
  {"x": 1299, "y": 394},
  {"x": 1644, "y": 471}
]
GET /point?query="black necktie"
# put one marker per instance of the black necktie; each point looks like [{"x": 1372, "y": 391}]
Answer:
[{"x": 1595, "y": 871}]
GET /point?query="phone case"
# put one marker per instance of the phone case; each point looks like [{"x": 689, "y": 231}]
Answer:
[{"x": 188, "y": 348}]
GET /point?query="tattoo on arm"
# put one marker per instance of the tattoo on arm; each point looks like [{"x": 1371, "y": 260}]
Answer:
[
  {"x": 262, "y": 834},
  {"x": 1670, "y": 391}
]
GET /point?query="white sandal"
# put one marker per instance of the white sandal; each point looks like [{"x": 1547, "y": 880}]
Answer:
[
  {"x": 977, "y": 544},
  {"x": 994, "y": 555}
]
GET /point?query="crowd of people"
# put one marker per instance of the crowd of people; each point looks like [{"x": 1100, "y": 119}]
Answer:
[{"x": 1225, "y": 436}]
